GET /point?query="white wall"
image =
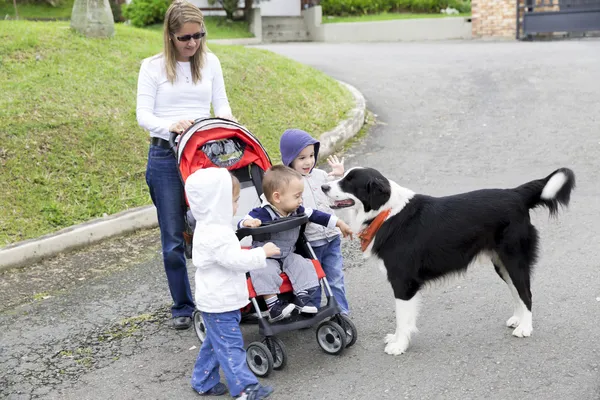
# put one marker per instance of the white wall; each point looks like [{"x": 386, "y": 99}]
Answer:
[
  {"x": 268, "y": 8},
  {"x": 205, "y": 4},
  {"x": 280, "y": 8}
]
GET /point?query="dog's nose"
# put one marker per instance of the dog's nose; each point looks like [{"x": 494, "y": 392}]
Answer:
[{"x": 325, "y": 188}]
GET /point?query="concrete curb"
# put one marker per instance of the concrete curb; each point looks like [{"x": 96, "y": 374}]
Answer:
[
  {"x": 348, "y": 128},
  {"x": 236, "y": 42},
  {"x": 127, "y": 221}
]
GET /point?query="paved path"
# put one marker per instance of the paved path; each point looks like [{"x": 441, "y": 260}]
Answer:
[{"x": 453, "y": 116}]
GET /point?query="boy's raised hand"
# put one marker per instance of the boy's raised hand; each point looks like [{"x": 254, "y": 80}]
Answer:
[
  {"x": 251, "y": 223},
  {"x": 346, "y": 230},
  {"x": 337, "y": 166},
  {"x": 271, "y": 250}
]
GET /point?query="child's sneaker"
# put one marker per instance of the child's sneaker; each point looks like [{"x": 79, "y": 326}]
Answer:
[
  {"x": 304, "y": 304},
  {"x": 280, "y": 310},
  {"x": 255, "y": 392},
  {"x": 218, "y": 390}
]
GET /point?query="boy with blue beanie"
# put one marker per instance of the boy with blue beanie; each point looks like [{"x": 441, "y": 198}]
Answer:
[{"x": 299, "y": 151}]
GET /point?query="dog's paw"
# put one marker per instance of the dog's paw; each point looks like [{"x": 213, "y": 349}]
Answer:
[
  {"x": 390, "y": 337},
  {"x": 513, "y": 321},
  {"x": 523, "y": 330},
  {"x": 397, "y": 347}
]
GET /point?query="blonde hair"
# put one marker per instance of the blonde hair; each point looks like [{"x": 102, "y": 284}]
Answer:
[
  {"x": 277, "y": 178},
  {"x": 181, "y": 12}
]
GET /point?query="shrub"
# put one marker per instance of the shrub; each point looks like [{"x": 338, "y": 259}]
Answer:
[
  {"x": 361, "y": 7},
  {"x": 229, "y": 6},
  {"x": 53, "y": 3},
  {"x": 115, "y": 6},
  {"x": 145, "y": 12},
  {"x": 464, "y": 6}
]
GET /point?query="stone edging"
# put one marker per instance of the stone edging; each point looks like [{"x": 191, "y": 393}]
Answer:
[
  {"x": 144, "y": 217},
  {"x": 235, "y": 42}
]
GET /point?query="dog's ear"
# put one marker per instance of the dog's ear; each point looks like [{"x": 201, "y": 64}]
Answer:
[{"x": 379, "y": 191}]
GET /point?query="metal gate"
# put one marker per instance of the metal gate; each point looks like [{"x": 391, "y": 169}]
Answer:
[{"x": 551, "y": 16}]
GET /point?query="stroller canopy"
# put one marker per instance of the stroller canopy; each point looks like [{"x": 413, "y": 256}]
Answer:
[{"x": 216, "y": 142}]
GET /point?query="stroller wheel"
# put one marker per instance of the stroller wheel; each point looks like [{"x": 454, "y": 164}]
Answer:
[
  {"x": 348, "y": 327},
  {"x": 331, "y": 337},
  {"x": 259, "y": 359},
  {"x": 278, "y": 351},
  {"x": 199, "y": 326}
]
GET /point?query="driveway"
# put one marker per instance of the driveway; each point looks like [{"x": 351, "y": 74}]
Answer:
[{"x": 452, "y": 117}]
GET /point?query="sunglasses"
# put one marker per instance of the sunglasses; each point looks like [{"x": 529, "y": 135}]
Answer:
[{"x": 187, "y": 38}]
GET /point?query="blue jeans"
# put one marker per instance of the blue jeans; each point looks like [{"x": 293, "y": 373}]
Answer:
[
  {"x": 224, "y": 347},
  {"x": 330, "y": 257},
  {"x": 166, "y": 191}
]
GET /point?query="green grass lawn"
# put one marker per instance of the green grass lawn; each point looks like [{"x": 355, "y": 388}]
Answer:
[
  {"x": 386, "y": 17},
  {"x": 70, "y": 146},
  {"x": 34, "y": 10}
]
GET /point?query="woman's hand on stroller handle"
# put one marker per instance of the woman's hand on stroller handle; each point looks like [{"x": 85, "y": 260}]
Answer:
[{"x": 181, "y": 126}]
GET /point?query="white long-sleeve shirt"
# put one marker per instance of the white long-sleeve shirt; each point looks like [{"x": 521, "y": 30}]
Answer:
[{"x": 160, "y": 103}]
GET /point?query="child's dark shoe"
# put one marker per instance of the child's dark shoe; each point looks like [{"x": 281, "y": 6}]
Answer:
[
  {"x": 280, "y": 310},
  {"x": 255, "y": 392},
  {"x": 218, "y": 390},
  {"x": 304, "y": 304}
]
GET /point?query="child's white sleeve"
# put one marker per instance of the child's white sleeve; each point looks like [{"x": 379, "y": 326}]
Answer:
[{"x": 231, "y": 256}]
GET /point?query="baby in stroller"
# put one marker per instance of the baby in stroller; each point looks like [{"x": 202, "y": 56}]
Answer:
[{"x": 282, "y": 197}]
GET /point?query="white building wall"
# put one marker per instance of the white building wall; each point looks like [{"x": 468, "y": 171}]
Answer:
[
  {"x": 268, "y": 8},
  {"x": 280, "y": 8}
]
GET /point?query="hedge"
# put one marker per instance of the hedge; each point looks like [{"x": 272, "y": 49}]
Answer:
[{"x": 361, "y": 7}]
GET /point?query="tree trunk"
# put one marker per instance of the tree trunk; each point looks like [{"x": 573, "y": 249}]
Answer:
[
  {"x": 248, "y": 9},
  {"x": 93, "y": 18},
  {"x": 16, "y": 12}
]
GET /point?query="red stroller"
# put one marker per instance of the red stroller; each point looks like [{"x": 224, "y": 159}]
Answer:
[{"x": 216, "y": 142}]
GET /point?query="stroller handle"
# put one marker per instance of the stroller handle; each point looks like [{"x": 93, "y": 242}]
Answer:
[
  {"x": 278, "y": 225},
  {"x": 172, "y": 137}
]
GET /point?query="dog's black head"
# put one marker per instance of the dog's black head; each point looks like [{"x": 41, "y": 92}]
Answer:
[{"x": 366, "y": 186}]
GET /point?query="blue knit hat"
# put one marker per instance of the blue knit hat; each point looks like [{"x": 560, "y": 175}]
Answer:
[{"x": 292, "y": 142}]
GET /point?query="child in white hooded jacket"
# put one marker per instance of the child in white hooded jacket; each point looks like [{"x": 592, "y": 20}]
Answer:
[{"x": 221, "y": 289}]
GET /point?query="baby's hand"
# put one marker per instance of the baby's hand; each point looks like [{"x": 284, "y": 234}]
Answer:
[
  {"x": 337, "y": 166},
  {"x": 271, "y": 250},
  {"x": 251, "y": 223},
  {"x": 346, "y": 230}
]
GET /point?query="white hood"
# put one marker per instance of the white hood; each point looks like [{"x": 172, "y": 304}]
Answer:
[{"x": 209, "y": 194}]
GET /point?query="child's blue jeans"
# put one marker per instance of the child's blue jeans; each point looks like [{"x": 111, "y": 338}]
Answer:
[
  {"x": 330, "y": 257},
  {"x": 224, "y": 347}
]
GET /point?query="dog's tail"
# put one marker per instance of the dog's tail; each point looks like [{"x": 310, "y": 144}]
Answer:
[{"x": 550, "y": 192}]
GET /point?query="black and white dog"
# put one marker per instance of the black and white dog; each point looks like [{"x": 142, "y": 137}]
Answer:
[{"x": 417, "y": 239}]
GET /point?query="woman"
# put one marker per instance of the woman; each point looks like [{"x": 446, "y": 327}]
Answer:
[{"x": 175, "y": 88}]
